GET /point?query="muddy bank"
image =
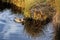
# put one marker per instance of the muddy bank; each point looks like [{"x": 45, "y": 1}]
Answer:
[
  {"x": 4, "y": 5},
  {"x": 14, "y": 8}
]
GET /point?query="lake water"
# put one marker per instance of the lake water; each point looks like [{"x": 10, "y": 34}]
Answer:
[{"x": 11, "y": 30}]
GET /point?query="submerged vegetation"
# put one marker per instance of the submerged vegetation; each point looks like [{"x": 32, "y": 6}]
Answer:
[{"x": 34, "y": 27}]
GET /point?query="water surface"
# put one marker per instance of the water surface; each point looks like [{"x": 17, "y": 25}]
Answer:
[{"x": 11, "y": 30}]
